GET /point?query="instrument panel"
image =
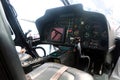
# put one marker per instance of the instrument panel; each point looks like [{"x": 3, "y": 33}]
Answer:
[
  {"x": 69, "y": 28},
  {"x": 90, "y": 33}
]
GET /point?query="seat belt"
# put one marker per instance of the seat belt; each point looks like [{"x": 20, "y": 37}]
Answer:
[{"x": 59, "y": 73}]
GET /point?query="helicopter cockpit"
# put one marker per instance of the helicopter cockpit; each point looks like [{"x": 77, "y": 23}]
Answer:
[
  {"x": 84, "y": 41},
  {"x": 73, "y": 27},
  {"x": 63, "y": 25}
]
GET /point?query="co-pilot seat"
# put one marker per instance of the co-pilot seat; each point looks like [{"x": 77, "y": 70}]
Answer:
[{"x": 55, "y": 71}]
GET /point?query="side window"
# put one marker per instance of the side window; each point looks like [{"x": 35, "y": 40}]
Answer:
[{"x": 28, "y": 11}]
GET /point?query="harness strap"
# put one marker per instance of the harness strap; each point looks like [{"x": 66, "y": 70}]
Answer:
[{"x": 59, "y": 73}]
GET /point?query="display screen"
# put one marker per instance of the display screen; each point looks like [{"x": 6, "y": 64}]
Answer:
[{"x": 56, "y": 34}]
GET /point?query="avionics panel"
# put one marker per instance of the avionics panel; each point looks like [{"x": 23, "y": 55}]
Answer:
[
  {"x": 56, "y": 34},
  {"x": 69, "y": 25}
]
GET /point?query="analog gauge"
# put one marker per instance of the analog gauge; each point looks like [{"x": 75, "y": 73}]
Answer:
[
  {"x": 95, "y": 35},
  {"x": 86, "y": 35},
  {"x": 76, "y": 33},
  {"x": 76, "y": 30},
  {"x": 87, "y": 27},
  {"x": 75, "y": 27}
]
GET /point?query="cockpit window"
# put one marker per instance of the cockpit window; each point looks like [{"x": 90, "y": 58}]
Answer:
[{"x": 30, "y": 10}]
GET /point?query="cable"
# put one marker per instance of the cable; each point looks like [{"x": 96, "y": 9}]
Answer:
[
  {"x": 83, "y": 56},
  {"x": 34, "y": 47}
]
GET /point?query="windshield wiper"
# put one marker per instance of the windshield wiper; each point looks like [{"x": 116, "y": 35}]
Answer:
[{"x": 65, "y": 2}]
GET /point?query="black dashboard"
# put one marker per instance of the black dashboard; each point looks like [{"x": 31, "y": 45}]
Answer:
[{"x": 71, "y": 24}]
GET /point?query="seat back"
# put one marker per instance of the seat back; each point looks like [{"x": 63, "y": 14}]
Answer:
[{"x": 10, "y": 66}]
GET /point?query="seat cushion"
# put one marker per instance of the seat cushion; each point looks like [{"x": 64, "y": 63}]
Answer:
[{"x": 47, "y": 70}]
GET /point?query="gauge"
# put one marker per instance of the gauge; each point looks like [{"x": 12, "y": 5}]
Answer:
[
  {"x": 75, "y": 27},
  {"x": 76, "y": 33},
  {"x": 86, "y": 35},
  {"x": 87, "y": 27},
  {"x": 95, "y": 35}
]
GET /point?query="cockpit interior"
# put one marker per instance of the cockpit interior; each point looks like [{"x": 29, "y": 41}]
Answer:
[
  {"x": 87, "y": 32},
  {"x": 84, "y": 41}
]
